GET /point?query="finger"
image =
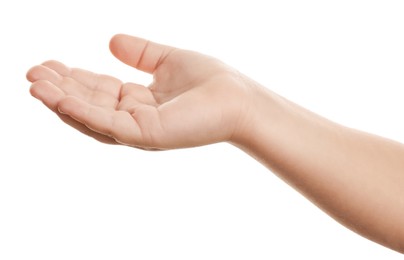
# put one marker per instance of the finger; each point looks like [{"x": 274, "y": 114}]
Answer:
[
  {"x": 73, "y": 88},
  {"x": 85, "y": 130},
  {"x": 138, "y": 93},
  {"x": 118, "y": 124},
  {"x": 139, "y": 53},
  {"x": 58, "y": 67},
  {"x": 49, "y": 86},
  {"x": 48, "y": 93},
  {"x": 41, "y": 72},
  {"x": 91, "y": 80}
]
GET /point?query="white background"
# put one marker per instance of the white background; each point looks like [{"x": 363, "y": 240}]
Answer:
[{"x": 65, "y": 196}]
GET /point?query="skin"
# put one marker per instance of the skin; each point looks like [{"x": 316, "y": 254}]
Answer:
[{"x": 355, "y": 177}]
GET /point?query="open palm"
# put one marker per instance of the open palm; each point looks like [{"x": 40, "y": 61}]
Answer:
[{"x": 193, "y": 99}]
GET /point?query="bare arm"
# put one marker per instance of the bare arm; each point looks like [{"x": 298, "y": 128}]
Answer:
[{"x": 355, "y": 177}]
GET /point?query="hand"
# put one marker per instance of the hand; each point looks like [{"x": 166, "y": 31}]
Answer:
[{"x": 193, "y": 100}]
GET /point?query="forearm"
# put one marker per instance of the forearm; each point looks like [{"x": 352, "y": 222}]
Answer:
[{"x": 355, "y": 177}]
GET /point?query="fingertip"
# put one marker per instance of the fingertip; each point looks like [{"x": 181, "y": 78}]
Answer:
[
  {"x": 114, "y": 42},
  {"x": 57, "y": 66},
  {"x": 124, "y": 46},
  {"x": 60, "y": 110},
  {"x": 33, "y": 90},
  {"x": 29, "y": 76},
  {"x": 45, "y": 63},
  {"x": 48, "y": 93},
  {"x": 64, "y": 104},
  {"x": 119, "y": 46},
  {"x": 34, "y": 73},
  {"x": 137, "y": 52},
  {"x": 117, "y": 36},
  {"x": 72, "y": 106}
]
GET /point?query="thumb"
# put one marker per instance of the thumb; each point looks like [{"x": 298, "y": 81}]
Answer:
[{"x": 138, "y": 53}]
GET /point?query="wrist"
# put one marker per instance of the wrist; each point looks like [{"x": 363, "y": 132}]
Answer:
[
  {"x": 257, "y": 114},
  {"x": 268, "y": 126}
]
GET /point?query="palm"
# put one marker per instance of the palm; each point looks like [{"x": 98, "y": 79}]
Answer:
[{"x": 182, "y": 107}]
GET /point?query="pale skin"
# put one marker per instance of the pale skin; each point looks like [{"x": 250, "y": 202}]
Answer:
[{"x": 355, "y": 177}]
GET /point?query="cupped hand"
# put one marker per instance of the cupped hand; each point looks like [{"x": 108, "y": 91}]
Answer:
[{"x": 193, "y": 100}]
